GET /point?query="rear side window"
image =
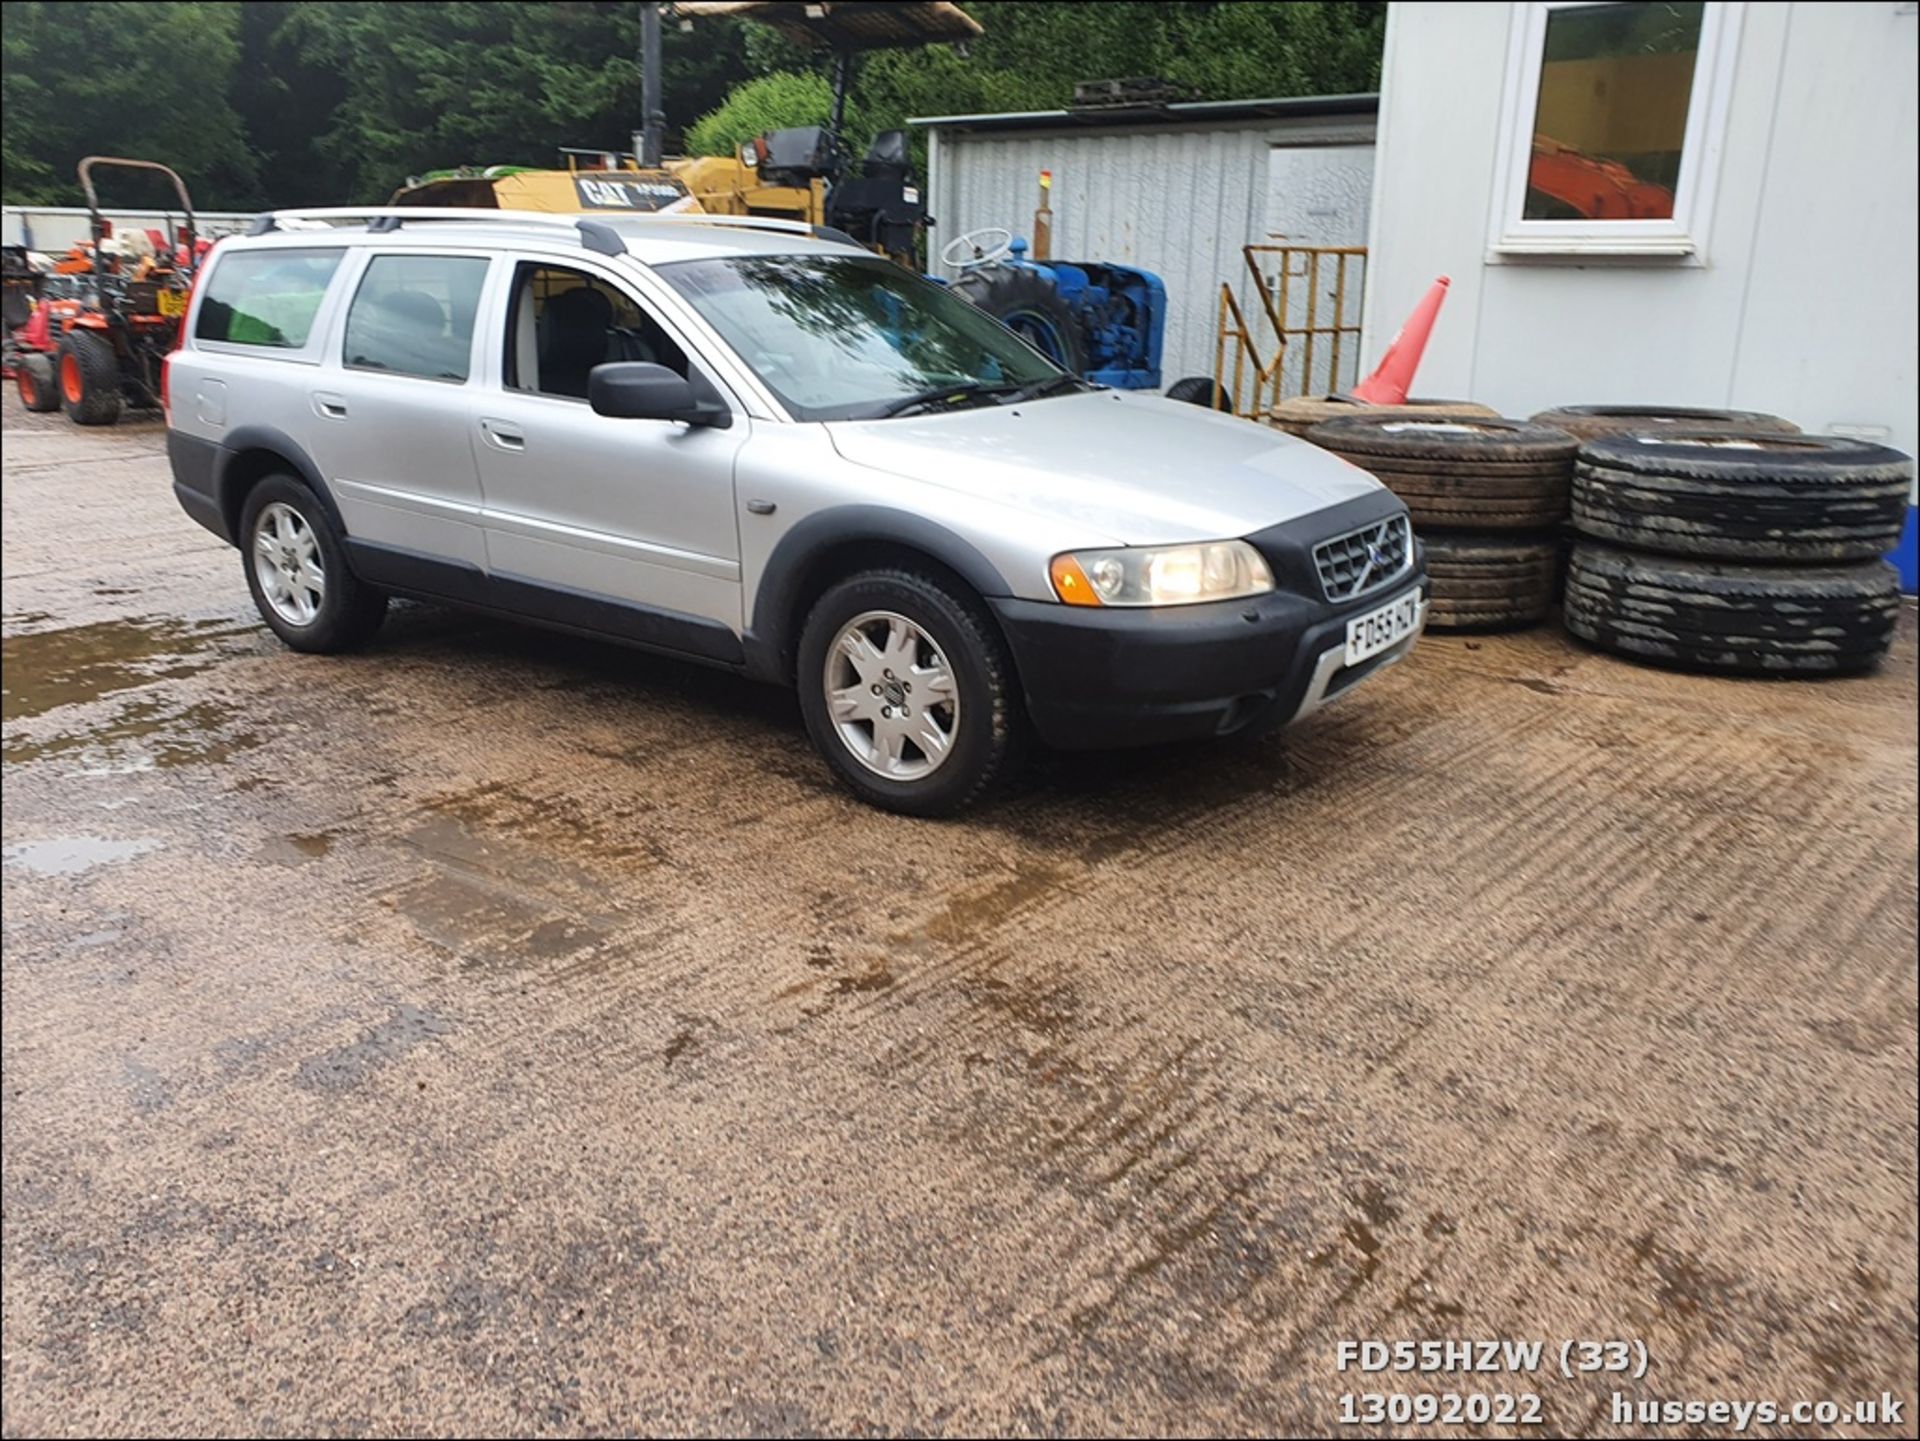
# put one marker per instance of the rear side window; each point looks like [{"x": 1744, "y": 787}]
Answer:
[
  {"x": 265, "y": 297},
  {"x": 413, "y": 315}
]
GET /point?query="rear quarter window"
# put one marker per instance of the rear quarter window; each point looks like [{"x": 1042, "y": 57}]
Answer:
[
  {"x": 265, "y": 297},
  {"x": 414, "y": 314}
]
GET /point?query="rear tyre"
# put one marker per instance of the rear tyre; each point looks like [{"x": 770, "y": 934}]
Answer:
[
  {"x": 1742, "y": 619},
  {"x": 1026, "y": 303},
  {"x": 297, "y": 571},
  {"x": 1200, "y": 390},
  {"x": 908, "y": 692},
  {"x": 89, "y": 379},
  {"x": 34, "y": 375},
  {"x": 1489, "y": 580}
]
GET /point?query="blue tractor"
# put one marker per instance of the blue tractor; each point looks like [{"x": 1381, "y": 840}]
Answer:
[{"x": 1103, "y": 322}]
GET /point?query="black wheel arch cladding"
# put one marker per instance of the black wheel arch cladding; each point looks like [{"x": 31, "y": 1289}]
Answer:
[{"x": 792, "y": 571}]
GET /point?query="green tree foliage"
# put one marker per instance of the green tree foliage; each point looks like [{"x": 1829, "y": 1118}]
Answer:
[
  {"x": 145, "y": 81},
  {"x": 770, "y": 102},
  {"x": 329, "y": 101},
  {"x": 432, "y": 85},
  {"x": 1032, "y": 53}
]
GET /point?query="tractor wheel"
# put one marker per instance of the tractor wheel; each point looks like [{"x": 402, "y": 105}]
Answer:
[
  {"x": 1200, "y": 390},
  {"x": 89, "y": 379},
  {"x": 1026, "y": 302},
  {"x": 34, "y": 376}
]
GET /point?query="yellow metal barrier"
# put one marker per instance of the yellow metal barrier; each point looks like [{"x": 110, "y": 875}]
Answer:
[{"x": 1310, "y": 298}]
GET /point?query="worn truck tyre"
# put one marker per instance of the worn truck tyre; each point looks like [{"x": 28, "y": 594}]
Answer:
[
  {"x": 1742, "y": 619},
  {"x": 1490, "y": 580},
  {"x": 1780, "y": 498},
  {"x": 1591, "y": 422},
  {"x": 34, "y": 376},
  {"x": 1472, "y": 473},
  {"x": 89, "y": 379},
  {"x": 1301, "y": 413},
  {"x": 1027, "y": 304}
]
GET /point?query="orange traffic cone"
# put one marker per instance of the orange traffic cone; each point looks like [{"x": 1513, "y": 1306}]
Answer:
[{"x": 1389, "y": 384}]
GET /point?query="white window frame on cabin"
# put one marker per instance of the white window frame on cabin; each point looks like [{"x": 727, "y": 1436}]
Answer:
[{"x": 1681, "y": 238}]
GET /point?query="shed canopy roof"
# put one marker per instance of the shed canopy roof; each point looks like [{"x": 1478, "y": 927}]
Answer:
[
  {"x": 1286, "y": 107},
  {"x": 847, "y": 24}
]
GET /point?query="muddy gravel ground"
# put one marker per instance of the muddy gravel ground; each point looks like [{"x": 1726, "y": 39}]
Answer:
[{"x": 494, "y": 1031}]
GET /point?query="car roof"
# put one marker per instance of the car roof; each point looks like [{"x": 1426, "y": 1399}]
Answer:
[{"x": 649, "y": 239}]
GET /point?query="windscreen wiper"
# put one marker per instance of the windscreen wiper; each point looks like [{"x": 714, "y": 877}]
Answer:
[
  {"x": 944, "y": 396},
  {"x": 1042, "y": 388}
]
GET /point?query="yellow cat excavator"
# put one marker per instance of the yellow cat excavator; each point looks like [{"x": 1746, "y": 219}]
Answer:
[{"x": 797, "y": 174}]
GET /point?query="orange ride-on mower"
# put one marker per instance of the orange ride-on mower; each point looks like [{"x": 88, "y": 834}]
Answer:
[
  {"x": 111, "y": 312},
  {"x": 23, "y": 353}
]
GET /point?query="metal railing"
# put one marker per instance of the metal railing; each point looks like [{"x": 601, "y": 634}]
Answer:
[{"x": 1309, "y": 296}]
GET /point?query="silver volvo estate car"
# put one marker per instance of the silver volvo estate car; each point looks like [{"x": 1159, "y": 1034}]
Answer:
[{"x": 764, "y": 448}]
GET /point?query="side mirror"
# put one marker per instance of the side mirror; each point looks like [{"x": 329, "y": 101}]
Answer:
[{"x": 642, "y": 390}]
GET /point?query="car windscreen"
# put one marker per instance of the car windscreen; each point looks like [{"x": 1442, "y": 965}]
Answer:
[{"x": 851, "y": 337}]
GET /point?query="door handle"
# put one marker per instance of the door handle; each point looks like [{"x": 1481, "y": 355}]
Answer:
[
  {"x": 329, "y": 406},
  {"x": 503, "y": 436}
]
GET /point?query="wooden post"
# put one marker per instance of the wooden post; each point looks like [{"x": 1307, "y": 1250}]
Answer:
[{"x": 1043, "y": 220}]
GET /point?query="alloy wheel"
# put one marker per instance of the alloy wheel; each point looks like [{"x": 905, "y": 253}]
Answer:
[
  {"x": 287, "y": 560},
  {"x": 892, "y": 697}
]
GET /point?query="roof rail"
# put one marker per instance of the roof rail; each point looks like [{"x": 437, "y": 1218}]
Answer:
[{"x": 594, "y": 234}]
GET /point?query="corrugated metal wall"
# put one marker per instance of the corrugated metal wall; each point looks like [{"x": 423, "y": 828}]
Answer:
[{"x": 1178, "y": 201}]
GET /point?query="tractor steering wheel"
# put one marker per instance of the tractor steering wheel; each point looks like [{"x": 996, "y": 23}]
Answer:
[{"x": 976, "y": 248}]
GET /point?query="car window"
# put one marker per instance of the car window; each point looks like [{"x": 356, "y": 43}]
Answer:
[
  {"x": 413, "y": 315},
  {"x": 843, "y": 337},
  {"x": 564, "y": 322},
  {"x": 265, "y": 297}
]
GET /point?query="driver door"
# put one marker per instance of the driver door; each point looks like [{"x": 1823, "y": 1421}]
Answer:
[{"x": 625, "y": 526}]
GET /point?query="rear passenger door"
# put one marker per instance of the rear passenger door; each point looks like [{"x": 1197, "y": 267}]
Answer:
[
  {"x": 625, "y": 526},
  {"x": 391, "y": 414}
]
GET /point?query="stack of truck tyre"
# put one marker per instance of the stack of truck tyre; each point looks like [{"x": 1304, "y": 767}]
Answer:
[
  {"x": 1489, "y": 500},
  {"x": 1715, "y": 540},
  {"x": 1731, "y": 542}
]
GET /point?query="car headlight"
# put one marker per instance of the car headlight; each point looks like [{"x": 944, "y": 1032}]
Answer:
[{"x": 1160, "y": 574}]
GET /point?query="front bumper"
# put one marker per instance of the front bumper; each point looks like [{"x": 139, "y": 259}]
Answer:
[
  {"x": 1116, "y": 677},
  {"x": 1105, "y": 678}
]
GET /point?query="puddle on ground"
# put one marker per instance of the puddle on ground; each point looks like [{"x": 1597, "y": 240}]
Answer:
[
  {"x": 496, "y": 903},
  {"x": 967, "y": 916},
  {"x": 143, "y": 734},
  {"x": 73, "y": 855},
  {"x": 296, "y": 850},
  {"x": 51, "y": 668}
]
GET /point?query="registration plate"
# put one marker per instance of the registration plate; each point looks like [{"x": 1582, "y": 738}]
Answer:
[
  {"x": 173, "y": 302},
  {"x": 1380, "y": 629}
]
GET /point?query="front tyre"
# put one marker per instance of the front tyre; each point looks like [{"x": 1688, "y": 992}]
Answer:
[
  {"x": 908, "y": 692},
  {"x": 297, "y": 570}
]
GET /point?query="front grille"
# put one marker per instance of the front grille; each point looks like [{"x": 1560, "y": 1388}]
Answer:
[{"x": 1362, "y": 560}]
